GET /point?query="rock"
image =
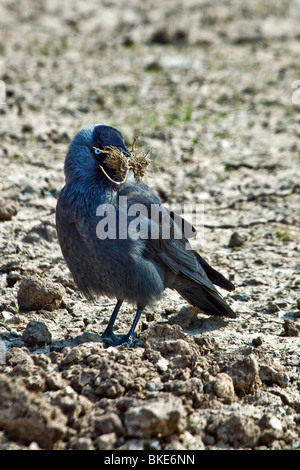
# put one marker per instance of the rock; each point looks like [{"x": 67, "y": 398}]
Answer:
[
  {"x": 16, "y": 356},
  {"x": 271, "y": 427},
  {"x": 162, "y": 364},
  {"x": 5, "y": 316},
  {"x": 237, "y": 239},
  {"x": 160, "y": 36},
  {"x": 236, "y": 430},
  {"x": 245, "y": 375},
  {"x": 223, "y": 387},
  {"x": 27, "y": 416},
  {"x": 81, "y": 443},
  {"x": 273, "y": 308},
  {"x": 173, "y": 344},
  {"x": 206, "y": 344},
  {"x": 36, "y": 293},
  {"x": 36, "y": 334},
  {"x": 291, "y": 328},
  {"x": 257, "y": 341},
  {"x": 69, "y": 405},
  {"x": 241, "y": 297},
  {"x": 108, "y": 423},
  {"x": 105, "y": 441},
  {"x": 160, "y": 418},
  {"x": 272, "y": 372},
  {"x": 71, "y": 356},
  {"x": 185, "y": 318},
  {"x": 8, "y": 209},
  {"x": 281, "y": 304},
  {"x": 189, "y": 389},
  {"x": 27, "y": 127}
]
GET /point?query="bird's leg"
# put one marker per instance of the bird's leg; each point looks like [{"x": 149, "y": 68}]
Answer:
[
  {"x": 108, "y": 335},
  {"x": 129, "y": 339}
]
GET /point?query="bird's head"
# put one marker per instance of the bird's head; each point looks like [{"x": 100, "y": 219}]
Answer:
[{"x": 86, "y": 156}]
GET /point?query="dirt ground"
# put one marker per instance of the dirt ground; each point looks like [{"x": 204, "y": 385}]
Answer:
[{"x": 213, "y": 89}]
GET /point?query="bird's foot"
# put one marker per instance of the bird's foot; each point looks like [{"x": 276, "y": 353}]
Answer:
[
  {"x": 110, "y": 339},
  {"x": 129, "y": 341}
]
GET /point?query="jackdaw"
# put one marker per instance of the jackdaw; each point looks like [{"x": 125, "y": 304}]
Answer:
[{"x": 120, "y": 264}]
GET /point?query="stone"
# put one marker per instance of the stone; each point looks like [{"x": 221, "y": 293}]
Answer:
[
  {"x": 27, "y": 416},
  {"x": 8, "y": 209},
  {"x": 160, "y": 418},
  {"x": 257, "y": 341},
  {"x": 105, "y": 441},
  {"x": 36, "y": 334},
  {"x": 273, "y": 308},
  {"x": 107, "y": 424},
  {"x": 245, "y": 375},
  {"x": 81, "y": 443},
  {"x": 223, "y": 387},
  {"x": 291, "y": 328},
  {"x": 237, "y": 239},
  {"x": 272, "y": 372},
  {"x": 36, "y": 294},
  {"x": 5, "y": 316},
  {"x": 235, "y": 430}
]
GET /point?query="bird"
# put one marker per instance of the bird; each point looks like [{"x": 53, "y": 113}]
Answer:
[{"x": 133, "y": 269}]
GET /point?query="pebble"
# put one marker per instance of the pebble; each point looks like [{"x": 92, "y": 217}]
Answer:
[
  {"x": 8, "y": 209},
  {"x": 275, "y": 423},
  {"x": 237, "y": 239},
  {"x": 257, "y": 341},
  {"x": 36, "y": 334},
  {"x": 291, "y": 328},
  {"x": 105, "y": 441},
  {"x": 163, "y": 417},
  {"x": 273, "y": 308},
  {"x": 281, "y": 303},
  {"x": 162, "y": 364},
  {"x": 223, "y": 386},
  {"x": 36, "y": 293},
  {"x": 5, "y": 316}
]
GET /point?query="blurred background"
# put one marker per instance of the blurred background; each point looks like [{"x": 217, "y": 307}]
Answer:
[{"x": 205, "y": 77}]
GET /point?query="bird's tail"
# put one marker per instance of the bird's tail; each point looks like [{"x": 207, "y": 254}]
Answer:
[
  {"x": 207, "y": 300},
  {"x": 214, "y": 276}
]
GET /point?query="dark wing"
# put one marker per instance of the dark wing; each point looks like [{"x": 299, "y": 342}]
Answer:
[
  {"x": 174, "y": 255},
  {"x": 213, "y": 275}
]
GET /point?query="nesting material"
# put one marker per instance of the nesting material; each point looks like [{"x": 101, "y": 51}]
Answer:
[{"x": 122, "y": 163}]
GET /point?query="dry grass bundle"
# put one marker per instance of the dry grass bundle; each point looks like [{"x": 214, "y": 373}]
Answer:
[{"x": 122, "y": 163}]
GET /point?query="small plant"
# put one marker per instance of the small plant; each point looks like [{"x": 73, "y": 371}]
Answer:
[
  {"x": 17, "y": 310},
  {"x": 283, "y": 235}
]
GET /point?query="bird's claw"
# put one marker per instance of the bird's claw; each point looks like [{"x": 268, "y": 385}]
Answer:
[{"x": 128, "y": 341}]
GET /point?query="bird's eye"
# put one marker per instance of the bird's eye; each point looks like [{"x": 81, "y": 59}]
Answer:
[{"x": 96, "y": 151}]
